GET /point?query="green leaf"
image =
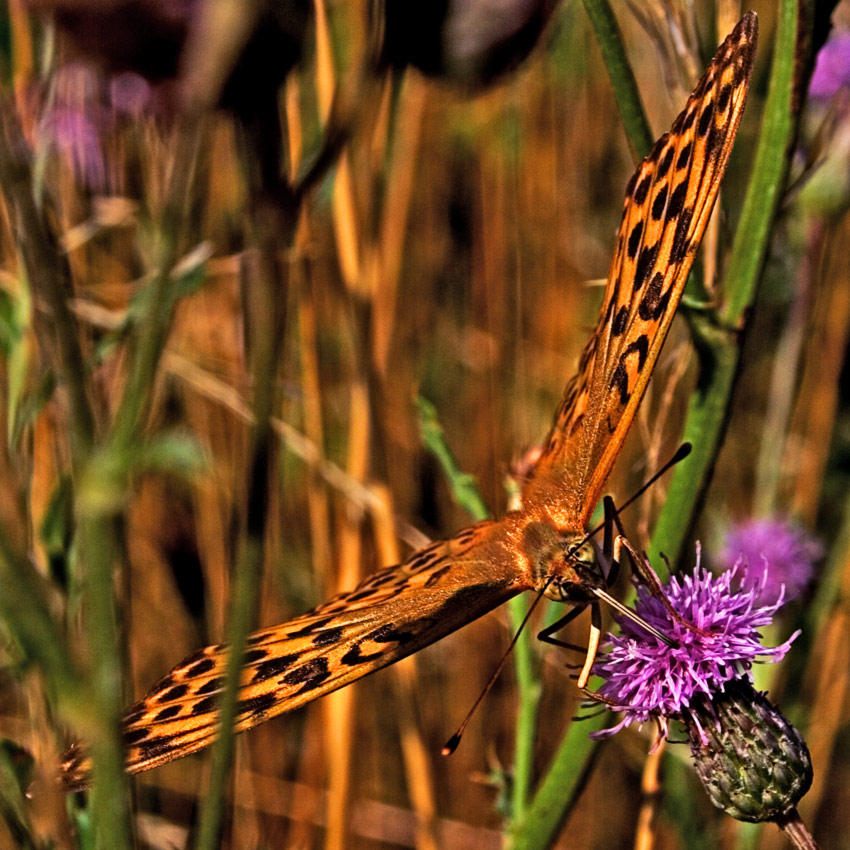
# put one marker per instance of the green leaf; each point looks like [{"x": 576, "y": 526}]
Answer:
[
  {"x": 173, "y": 453},
  {"x": 104, "y": 487}
]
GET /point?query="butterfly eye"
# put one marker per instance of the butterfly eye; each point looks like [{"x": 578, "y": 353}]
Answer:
[{"x": 584, "y": 555}]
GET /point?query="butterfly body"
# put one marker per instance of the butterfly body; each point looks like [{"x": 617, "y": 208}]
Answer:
[{"x": 401, "y": 609}]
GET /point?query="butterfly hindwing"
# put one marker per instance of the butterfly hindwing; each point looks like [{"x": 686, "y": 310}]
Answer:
[
  {"x": 667, "y": 206},
  {"x": 393, "y": 613}
]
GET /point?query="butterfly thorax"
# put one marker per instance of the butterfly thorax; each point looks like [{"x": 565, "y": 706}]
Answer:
[{"x": 565, "y": 563}]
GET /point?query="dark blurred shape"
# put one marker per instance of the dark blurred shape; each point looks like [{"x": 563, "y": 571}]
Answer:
[
  {"x": 145, "y": 36},
  {"x": 468, "y": 42},
  {"x": 150, "y": 37}
]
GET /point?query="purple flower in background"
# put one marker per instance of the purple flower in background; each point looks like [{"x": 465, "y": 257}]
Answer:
[
  {"x": 73, "y": 125},
  {"x": 778, "y": 556},
  {"x": 832, "y": 69},
  {"x": 130, "y": 94},
  {"x": 648, "y": 679}
]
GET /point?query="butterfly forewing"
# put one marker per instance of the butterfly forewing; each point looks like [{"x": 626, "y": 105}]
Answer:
[
  {"x": 667, "y": 206},
  {"x": 391, "y": 614}
]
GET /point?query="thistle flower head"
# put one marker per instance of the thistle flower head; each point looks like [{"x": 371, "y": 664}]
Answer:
[
  {"x": 778, "y": 555},
  {"x": 646, "y": 678}
]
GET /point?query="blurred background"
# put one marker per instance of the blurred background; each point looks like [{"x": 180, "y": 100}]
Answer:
[{"x": 435, "y": 188}]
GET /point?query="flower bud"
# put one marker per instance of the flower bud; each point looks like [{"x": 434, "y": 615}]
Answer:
[{"x": 753, "y": 763}]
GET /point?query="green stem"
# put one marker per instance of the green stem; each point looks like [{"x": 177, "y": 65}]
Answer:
[
  {"x": 557, "y": 793},
  {"x": 466, "y": 493},
  {"x": 717, "y": 338},
  {"x": 110, "y": 798},
  {"x": 149, "y": 340},
  {"x": 622, "y": 78},
  {"x": 274, "y": 223}
]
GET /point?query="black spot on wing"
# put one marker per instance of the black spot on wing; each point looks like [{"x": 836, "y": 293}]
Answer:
[
  {"x": 134, "y": 736},
  {"x": 705, "y": 119},
  {"x": 620, "y": 378},
  {"x": 620, "y": 321},
  {"x": 199, "y": 668},
  {"x": 316, "y": 625},
  {"x": 643, "y": 188},
  {"x": 666, "y": 162},
  {"x": 197, "y": 655},
  {"x": 153, "y": 747},
  {"x": 356, "y": 656},
  {"x": 176, "y": 692},
  {"x": 309, "y": 675},
  {"x": 677, "y": 199},
  {"x": 725, "y": 96},
  {"x": 389, "y": 634},
  {"x": 654, "y": 302},
  {"x": 646, "y": 260},
  {"x": 254, "y": 655},
  {"x": 256, "y": 705},
  {"x": 634, "y": 239},
  {"x": 210, "y": 687},
  {"x": 205, "y": 706},
  {"x": 437, "y": 575},
  {"x": 712, "y": 143},
  {"x": 274, "y": 667},
  {"x": 659, "y": 203},
  {"x": 167, "y": 713},
  {"x": 680, "y": 239},
  {"x": 328, "y": 636},
  {"x": 684, "y": 156}
]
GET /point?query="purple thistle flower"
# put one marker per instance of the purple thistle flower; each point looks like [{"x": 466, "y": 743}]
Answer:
[
  {"x": 778, "y": 556},
  {"x": 647, "y": 679}
]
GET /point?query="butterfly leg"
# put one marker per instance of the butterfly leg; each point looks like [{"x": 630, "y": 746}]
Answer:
[
  {"x": 642, "y": 567},
  {"x": 546, "y": 635}
]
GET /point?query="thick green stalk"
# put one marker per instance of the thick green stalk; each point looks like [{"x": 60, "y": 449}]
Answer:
[
  {"x": 717, "y": 337},
  {"x": 622, "y": 78},
  {"x": 97, "y": 542},
  {"x": 556, "y": 794},
  {"x": 274, "y": 225},
  {"x": 466, "y": 494},
  {"x": 537, "y": 824}
]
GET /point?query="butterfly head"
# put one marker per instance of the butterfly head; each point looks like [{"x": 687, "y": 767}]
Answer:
[{"x": 565, "y": 563}]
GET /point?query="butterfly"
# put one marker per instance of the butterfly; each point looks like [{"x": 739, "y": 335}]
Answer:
[{"x": 543, "y": 546}]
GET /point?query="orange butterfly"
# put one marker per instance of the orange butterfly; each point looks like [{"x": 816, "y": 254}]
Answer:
[{"x": 401, "y": 609}]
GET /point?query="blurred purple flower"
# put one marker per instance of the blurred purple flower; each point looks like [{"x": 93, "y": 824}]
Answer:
[
  {"x": 832, "y": 69},
  {"x": 647, "y": 679},
  {"x": 73, "y": 124},
  {"x": 130, "y": 94},
  {"x": 778, "y": 556}
]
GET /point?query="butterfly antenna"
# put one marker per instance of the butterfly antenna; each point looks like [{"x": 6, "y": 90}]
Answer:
[
  {"x": 452, "y": 744},
  {"x": 681, "y": 453}
]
